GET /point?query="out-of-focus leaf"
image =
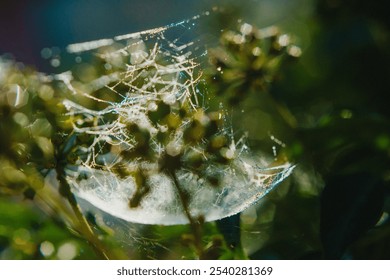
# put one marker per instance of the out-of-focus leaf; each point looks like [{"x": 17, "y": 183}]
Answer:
[
  {"x": 351, "y": 204},
  {"x": 230, "y": 229},
  {"x": 4, "y": 243}
]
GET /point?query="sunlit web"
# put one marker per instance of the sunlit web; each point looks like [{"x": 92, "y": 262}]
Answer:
[{"x": 138, "y": 73}]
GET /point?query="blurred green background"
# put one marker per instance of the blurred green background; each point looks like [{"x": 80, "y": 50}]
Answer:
[{"x": 330, "y": 108}]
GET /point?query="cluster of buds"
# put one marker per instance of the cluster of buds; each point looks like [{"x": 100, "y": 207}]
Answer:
[{"x": 248, "y": 60}]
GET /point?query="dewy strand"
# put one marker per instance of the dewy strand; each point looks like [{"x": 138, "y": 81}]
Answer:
[{"x": 146, "y": 69}]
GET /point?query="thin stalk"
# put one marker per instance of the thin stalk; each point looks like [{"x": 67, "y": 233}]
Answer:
[
  {"x": 194, "y": 222},
  {"x": 85, "y": 228}
]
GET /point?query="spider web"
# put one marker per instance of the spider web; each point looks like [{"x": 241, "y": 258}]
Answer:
[{"x": 139, "y": 72}]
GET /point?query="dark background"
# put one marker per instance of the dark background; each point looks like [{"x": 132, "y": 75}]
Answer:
[{"x": 29, "y": 26}]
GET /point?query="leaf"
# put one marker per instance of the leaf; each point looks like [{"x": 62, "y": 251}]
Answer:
[
  {"x": 4, "y": 243},
  {"x": 229, "y": 227},
  {"x": 350, "y": 205}
]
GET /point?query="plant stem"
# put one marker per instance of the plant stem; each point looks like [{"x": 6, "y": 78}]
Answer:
[
  {"x": 83, "y": 224},
  {"x": 195, "y": 224}
]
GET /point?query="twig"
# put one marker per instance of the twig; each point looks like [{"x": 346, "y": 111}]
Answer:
[
  {"x": 194, "y": 222},
  {"x": 85, "y": 228}
]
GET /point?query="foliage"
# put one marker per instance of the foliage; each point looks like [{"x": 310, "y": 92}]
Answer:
[{"x": 337, "y": 95}]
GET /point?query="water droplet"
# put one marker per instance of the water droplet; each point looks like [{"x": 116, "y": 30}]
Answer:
[
  {"x": 274, "y": 151},
  {"x": 152, "y": 106},
  {"x": 55, "y": 62},
  {"x": 294, "y": 51},
  {"x": 17, "y": 96},
  {"x": 46, "y": 248},
  {"x": 67, "y": 251},
  {"x": 246, "y": 28},
  {"x": 21, "y": 119},
  {"x": 283, "y": 40},
  {"x": 46, "y": 53},
  {"x": 256, "y": 51}
]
